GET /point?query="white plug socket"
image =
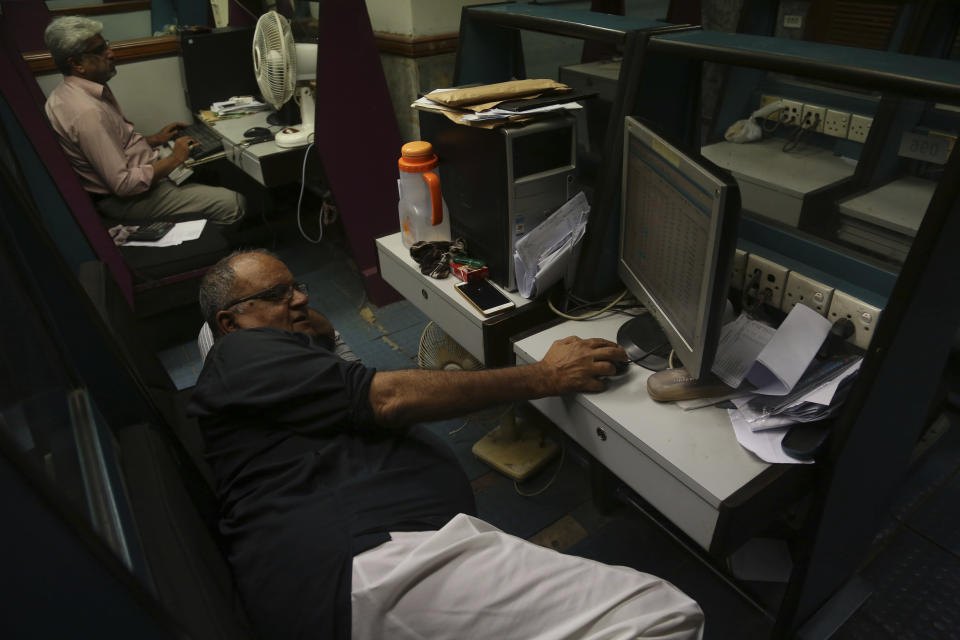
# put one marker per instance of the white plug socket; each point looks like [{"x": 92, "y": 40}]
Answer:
[
  {"x": 803, "y": 290},
  {"x": 836, "y": 123},
  {"x": 863, "y": 316},
  {"x": 772, "y": 278},
  {"x": 811, "y": 113},
  {"x": 738, "y": 270},
  {"x": 791, "y": 112},
  {"x": 859, "y": 128}
]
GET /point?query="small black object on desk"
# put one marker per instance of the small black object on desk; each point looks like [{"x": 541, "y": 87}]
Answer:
[{"x": 257, "y": 132}]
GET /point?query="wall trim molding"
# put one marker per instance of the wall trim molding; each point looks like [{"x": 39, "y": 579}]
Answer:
[
  {"x": 103, "y": 8},
  {"x": 124, "y": 50},
  {"x": 159, "y": 46},
  {"x": 410, "y": 47}
]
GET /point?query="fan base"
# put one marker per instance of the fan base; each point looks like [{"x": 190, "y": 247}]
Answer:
[{"x": 516, "y": 453}]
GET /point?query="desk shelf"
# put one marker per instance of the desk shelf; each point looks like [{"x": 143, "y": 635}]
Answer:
[{"x": 485, "y": 337}]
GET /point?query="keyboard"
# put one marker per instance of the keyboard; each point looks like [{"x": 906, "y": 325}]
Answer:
[{"x": 210, "y": 143}]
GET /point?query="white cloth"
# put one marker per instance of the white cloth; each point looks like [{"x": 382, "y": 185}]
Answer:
[{"x": 471, "y": 580}]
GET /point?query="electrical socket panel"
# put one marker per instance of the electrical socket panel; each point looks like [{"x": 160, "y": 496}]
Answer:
[
  {"x": 836, "y": 123},
  {"x": 859, "y": 127},
  {"x": 772, "y": 278},
  {"x": 812, "y": 112},
  {"x": 791, "y": 112},
  {"x": 803, "y": 290},
  {"x": 864, "y": 317},
  {"x": 738, "y": 270}
]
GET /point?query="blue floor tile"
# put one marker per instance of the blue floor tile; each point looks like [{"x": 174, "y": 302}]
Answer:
[
  {"x": 916, "y": 593},
  {"x": 461, "y": 434},
  {"x": 939, "y": 519},
  {"x": 408, "y": 340},
  {"x": 522, "y": 516}
]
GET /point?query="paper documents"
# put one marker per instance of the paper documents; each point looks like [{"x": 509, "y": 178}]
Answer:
[
  {"x": 238, "y": 104},
  {"x": 181, "y": 232},
  {"x": 786, "y": 383},
  {"x": 766, "y": 445},
  {"x": 772, "y": 361},
  {"x": 542, "y": 257}
]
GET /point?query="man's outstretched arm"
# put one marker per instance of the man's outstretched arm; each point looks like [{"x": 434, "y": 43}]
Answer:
[{"x": 404, "y": 397}]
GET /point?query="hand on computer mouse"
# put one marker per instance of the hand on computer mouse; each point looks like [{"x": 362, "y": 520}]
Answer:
[{"x": 620, "y": 367}]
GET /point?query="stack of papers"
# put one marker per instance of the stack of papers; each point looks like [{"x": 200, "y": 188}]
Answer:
[
  {"x": 238, "y": 104},
  {"x": 785, "y": 385},
  {"x": 544, "y": 255},
  {"x": 484, "y": 113},
  {"x": 181, "y": 232}
]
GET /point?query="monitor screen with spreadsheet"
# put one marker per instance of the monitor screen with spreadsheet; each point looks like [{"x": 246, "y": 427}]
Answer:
[{"x": 678, "y": 231}]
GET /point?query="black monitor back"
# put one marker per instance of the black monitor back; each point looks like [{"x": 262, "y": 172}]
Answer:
[{"x": 217, "y": 65}]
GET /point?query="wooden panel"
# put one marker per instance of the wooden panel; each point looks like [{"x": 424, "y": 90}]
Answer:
[
  {"x": 854, "y": 23},
  {"x": 124, "y": 50},
  {"x": 416, "y": 47},
  {"x": 103, "y": 8}
]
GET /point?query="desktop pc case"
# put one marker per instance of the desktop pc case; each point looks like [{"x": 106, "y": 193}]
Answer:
[{"x": 501, "y": 183}]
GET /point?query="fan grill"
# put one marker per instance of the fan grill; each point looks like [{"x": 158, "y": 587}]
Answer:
[
  {"x": 274, "y": 62},
  {"x": 439, "y": 351}
]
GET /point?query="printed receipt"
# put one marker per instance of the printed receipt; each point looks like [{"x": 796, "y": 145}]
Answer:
[
  {"x": 741, "y": 341},
  {"x": 771, "y": 360}
]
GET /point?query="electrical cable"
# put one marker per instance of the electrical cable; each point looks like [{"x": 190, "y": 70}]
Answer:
[
  {"x": 303, "y": 185},
  {"x": 556, "y": 473},
  {"x": 592, "y": 314},
  {"x": 802, "y": 131}
]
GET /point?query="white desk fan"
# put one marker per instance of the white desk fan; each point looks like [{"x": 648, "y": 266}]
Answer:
[
  {"x": 514, "y": 448},
  {"x": 284, "y": 70}
]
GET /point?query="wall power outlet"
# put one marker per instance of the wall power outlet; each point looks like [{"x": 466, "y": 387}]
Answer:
[
  {"x": 803, "y": 290},
  {"x": 864, "y": 317},
  {"x": 771, "y": 278},
  {"x": 813, "y": 117},
  {"x": 792, "y": 112},
  {"x": 836, "y": 123},
  {"x": 859, "y": 127}
]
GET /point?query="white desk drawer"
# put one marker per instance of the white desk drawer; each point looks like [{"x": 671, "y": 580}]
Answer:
[
  {"x": 666, "y": 493},
  {"x": 429, "y": 298}
]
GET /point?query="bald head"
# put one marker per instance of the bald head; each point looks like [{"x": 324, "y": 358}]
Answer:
[
  {"x": 253, "y": 289},
  {"x": 216, "y": 287}
]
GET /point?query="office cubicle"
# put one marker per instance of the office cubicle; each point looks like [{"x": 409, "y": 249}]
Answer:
[{"x": 875, "y": 213}]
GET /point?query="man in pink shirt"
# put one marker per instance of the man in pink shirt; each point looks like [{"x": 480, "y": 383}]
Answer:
[{"x": 122, "y": 170}]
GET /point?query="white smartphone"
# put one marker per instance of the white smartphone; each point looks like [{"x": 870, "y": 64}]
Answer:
[{"x": 484, "y": 296}]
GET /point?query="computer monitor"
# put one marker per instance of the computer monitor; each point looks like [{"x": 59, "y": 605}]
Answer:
[{"x": 678, "y": 230}]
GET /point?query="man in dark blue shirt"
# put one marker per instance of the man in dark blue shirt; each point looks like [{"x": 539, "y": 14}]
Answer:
[{"x": 316, "y": 469}]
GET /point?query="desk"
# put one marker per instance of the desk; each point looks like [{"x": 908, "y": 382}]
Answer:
[
  {"x": 486, "y": 338},
  {"x": 688, "y": 465},
  {"x": 265, "y": 162},
  {"x": 774, "y": 183}
]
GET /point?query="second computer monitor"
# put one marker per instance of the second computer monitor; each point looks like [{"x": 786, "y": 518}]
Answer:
[{"x": 678, "y": 234}]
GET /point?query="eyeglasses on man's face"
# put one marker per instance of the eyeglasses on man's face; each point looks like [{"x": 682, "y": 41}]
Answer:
[
  {"x": 100, "y": 50},
  {"x": 277, "y": 294}
]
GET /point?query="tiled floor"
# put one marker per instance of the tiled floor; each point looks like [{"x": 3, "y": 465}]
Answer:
[{"x": 914, "y": 574}]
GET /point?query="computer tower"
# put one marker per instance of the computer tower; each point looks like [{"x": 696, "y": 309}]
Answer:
[{"x": 501, "y": 183}]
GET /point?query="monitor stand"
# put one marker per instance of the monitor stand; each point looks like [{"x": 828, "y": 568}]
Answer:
[{"x": 640, "y": 337}]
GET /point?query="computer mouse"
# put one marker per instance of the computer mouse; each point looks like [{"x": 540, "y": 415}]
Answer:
[
  {"x": 620, "y": 367},
  {"x": 256, "y": 132}
]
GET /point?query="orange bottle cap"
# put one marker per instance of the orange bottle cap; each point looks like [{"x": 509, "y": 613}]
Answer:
[{"x": 417, "y": 157}]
